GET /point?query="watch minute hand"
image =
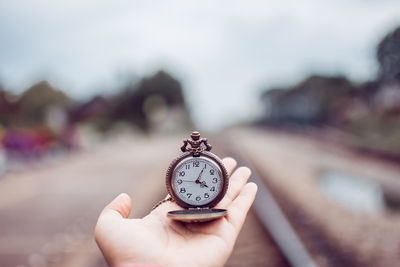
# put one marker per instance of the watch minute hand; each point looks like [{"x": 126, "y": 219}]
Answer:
[{"x": 198, "y": 178}]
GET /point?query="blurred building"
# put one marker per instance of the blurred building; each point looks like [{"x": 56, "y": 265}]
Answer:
[
  {"x": 369, "y": 112},
  {"x": 311, "y": 102}
]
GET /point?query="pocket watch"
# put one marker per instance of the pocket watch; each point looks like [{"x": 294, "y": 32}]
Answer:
[{"x": 197, "y": 180}]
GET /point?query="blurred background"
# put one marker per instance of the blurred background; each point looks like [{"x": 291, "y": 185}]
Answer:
[{"x": 96, "y": 97}]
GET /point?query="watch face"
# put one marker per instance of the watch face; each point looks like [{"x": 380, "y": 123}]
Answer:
[{"x": 197, "y": 181}]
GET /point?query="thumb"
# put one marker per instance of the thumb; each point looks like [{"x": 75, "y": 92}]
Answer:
[{"x": 120, "y": 207}]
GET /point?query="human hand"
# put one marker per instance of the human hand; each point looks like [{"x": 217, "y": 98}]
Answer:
[{"x": 158, "y": 240}]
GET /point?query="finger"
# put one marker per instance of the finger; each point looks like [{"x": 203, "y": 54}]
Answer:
[
  {"x": 236, "y": 182},
  {"x": 120, "y": 207},
  {"x": 230, "y": 164},
  {"x": 237, "y": 211}
]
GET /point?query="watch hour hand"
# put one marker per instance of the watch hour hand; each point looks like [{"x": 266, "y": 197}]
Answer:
[{"x": 203, "y": 184}]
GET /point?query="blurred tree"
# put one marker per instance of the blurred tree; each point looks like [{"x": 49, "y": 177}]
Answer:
[
  {"x": 138, "y": 103},
  {"x": 388, "y": 55},
  {"x": 9, "y": 107},
  {"x": 37, "y": 100},
  {"x": 96, "y": 111}
]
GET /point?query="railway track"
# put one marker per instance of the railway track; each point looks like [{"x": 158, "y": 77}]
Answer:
[
  {"x": 271, "y": 216},
  {"x": 302, "y": 243},
  {"x": 307, "y": 228},
  {"x": 275, "y": 221}
]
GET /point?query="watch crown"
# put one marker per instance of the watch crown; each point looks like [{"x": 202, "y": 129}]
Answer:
[
  {"x": 196, "y": 144},
  {"x": 195, "y": 135}
]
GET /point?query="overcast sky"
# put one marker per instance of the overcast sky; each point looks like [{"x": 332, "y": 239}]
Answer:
[{"x": 218, "y": 49}]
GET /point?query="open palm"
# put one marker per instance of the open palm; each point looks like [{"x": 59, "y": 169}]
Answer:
[{"x": 158, "y": 240}]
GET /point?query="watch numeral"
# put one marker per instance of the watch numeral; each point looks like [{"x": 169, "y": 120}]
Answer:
[
  {"x": 198, "y": 198},
  {"x": 187, "y": 166},
  {"x": 189, "y": 195},
  {"x": 205, "y": 166},
  {"x": 183, "y": 190},
  {"x": 182, "y": 173},
  {"x": 212, "y": 172},
  {"x": 179, "y": 181},
  {"x": 212, "y": 188},
  {"x": 206, "y": 195},
  {"x": 215, "y": 180},
  {"x": 196, "y": 164}
]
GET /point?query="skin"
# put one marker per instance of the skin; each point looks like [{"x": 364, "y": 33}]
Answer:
[{"x": 158, "y": 240}]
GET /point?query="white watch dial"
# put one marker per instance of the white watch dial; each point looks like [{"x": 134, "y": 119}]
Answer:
[{"x": 197, "y": 181}]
